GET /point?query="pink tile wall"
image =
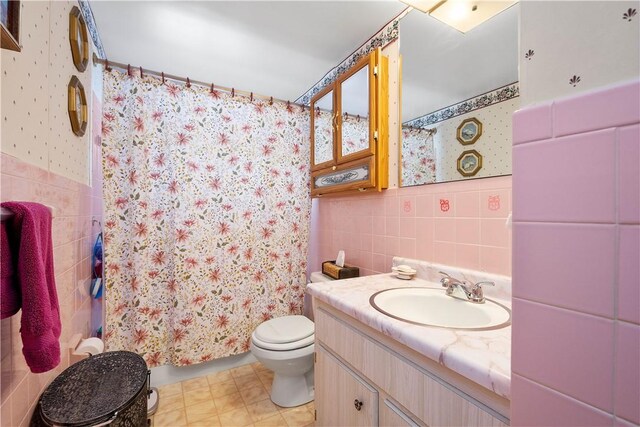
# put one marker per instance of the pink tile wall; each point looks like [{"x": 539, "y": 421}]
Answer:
[
  {"x": 73, "y": 236},
  {"x": 576, "y": 273},
  {"x": 459, "y": 224}
]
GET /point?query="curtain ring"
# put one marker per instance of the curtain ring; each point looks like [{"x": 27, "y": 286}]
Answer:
[
  {"x": 233, "y": 92},
  {"x": 271, "y": 101},
  {"x": 106, "y": 65},
  {"x": 129, "y": 69},
  {"x": 358, "y": 117},
  {"x": 288, "y": 105},
  {"x": 188, "y": 83},
  {"x": 212, "y": 87},
  {"x": 141, "y": 74},
  {"x": 163, "y": 77},
  {"x": 251, "y": 97},
  {"x": 302, "y": 108}
]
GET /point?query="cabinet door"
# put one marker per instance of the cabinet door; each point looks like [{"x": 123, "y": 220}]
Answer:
[
  {"x": 342, "y": 398},
  {"x": 392, "y": 416},
  {"x": 359, "y": 174},
  {"x": 323, "y": 125},
  {"x": 356, "y": 122}
]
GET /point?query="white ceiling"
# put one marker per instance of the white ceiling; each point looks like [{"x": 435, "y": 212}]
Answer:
[
  {"x": 442, "y": 66},
  {"x": 274, "y": 48}
]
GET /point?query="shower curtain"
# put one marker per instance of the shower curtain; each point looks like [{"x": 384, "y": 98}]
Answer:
[
  {"x": 418, "y": 157},
  {"x": 207, "y": 213}
]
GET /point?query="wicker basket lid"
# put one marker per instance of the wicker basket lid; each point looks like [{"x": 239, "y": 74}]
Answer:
[{"x": 92, "y": 390}]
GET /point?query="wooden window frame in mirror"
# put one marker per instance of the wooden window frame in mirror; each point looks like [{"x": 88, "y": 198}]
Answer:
[
  {"x": 315, "y": 99},
  {"x": 478, "y": 134},
  {"x": 79, "y": 46},
  {"x": 78, "y": 126},
  {"x": 370, "y": 60},
  {"x": 10, "y": 27},
  {"x": 464, "y": 154}
]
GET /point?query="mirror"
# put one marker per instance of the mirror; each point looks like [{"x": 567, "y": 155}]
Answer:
[
  {"x": 459, "y": 91},
  {"x": 323, "y": 129},
  {"x": 355, "y": 112}
]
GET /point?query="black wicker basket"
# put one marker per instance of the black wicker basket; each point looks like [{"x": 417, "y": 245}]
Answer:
[{"x": 105, "y": 389}]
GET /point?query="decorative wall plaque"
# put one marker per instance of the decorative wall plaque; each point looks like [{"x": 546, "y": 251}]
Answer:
[
  {"x": 78, "y": 110},
  {"x": 469, "y": 131},
  {"x": 79, "y": 39},
  {"x": 469, "y": 163},
  {"x": 10, "y": 24}
]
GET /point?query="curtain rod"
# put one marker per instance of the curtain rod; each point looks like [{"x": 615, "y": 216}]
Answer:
[
  {"x": 430, "y": 130},
  {"x": 127, "y": 67}
]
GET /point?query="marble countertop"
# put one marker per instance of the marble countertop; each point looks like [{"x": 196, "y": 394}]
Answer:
[{"x": 484, "y": 357}]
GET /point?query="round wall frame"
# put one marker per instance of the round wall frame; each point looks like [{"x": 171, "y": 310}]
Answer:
[
  {"x": 79, "y": 39},
  {"x": 78, "y": 110}
]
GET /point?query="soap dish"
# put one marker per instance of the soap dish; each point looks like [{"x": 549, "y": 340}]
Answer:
[{"x": 404, "y": 272}]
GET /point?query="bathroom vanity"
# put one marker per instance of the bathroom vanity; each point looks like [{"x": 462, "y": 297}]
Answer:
[{"x": 371, "y": 369}]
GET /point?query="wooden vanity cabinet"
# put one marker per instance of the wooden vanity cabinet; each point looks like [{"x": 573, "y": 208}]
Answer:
[
  {"x": 350, "y": 131},
  {"x": 354, "y": 361}
]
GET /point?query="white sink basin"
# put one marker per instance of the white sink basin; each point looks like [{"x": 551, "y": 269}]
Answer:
[{"x": 432, "y": 307}]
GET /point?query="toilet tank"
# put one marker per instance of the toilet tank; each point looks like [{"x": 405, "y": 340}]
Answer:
[{"x": 315, "y": 277}]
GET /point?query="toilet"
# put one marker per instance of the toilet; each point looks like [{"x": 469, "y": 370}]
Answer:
[{"x": 285, "y": 345}]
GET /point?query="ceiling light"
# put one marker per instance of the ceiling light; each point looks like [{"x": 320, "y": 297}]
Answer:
[
  {"x": 463, "y": 15},
  {"x": 422, "y": 5}
]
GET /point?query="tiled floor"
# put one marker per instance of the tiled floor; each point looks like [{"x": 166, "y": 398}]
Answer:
[{"x": 237, "y": 397}]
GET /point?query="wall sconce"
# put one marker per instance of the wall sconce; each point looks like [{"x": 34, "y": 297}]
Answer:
[{"x": 463, "y": 15}]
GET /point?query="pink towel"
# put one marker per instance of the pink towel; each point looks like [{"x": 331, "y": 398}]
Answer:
[
  {"x": 31, "y": 251},
  {"x": 9, "y": 291}
]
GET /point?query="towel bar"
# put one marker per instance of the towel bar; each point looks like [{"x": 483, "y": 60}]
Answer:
[{"x": 6, "y": 213}]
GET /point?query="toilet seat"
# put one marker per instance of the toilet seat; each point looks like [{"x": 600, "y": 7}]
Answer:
[
  {"x": 283, "y": 347},
  {"x": 284, "y": 333}
]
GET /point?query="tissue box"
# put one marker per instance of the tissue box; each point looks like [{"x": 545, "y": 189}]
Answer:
[{"x": 332, "y": 270}]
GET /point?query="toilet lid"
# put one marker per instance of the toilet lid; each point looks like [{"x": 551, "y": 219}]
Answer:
[
  {"x": 283, "y": 347},
  {"x": 285, "y": 329}
]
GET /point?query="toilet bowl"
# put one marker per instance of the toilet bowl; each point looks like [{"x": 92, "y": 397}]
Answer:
[{"x": 286, "y": 345}]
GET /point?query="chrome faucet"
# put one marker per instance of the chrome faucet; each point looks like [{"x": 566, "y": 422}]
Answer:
[{"x": 473, "y": 293}]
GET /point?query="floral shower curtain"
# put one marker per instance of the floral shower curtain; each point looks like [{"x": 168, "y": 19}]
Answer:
[
  {"x": 206, "y": 217},
  {"x": 355, "y": 133},
  {"x": 418, "y": 157}
]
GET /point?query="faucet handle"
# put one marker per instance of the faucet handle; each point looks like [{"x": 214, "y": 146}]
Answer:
[
  {"x": 484, "y": 283},
  {"x": 445, "y": 280},
  {"x": 477, "y": 295}
]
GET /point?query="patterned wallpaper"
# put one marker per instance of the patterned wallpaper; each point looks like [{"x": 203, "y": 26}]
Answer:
[
  {"x": 381, "y": 39},
  {"x": 87, "y": 13},
  {"x": 495, "y": 96},
  {"x": 494, "y": 144},
  {"x": 35, "y": 122},
  {"x": 493, "y": 109},
  {"x": 603, "y": 47}
]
